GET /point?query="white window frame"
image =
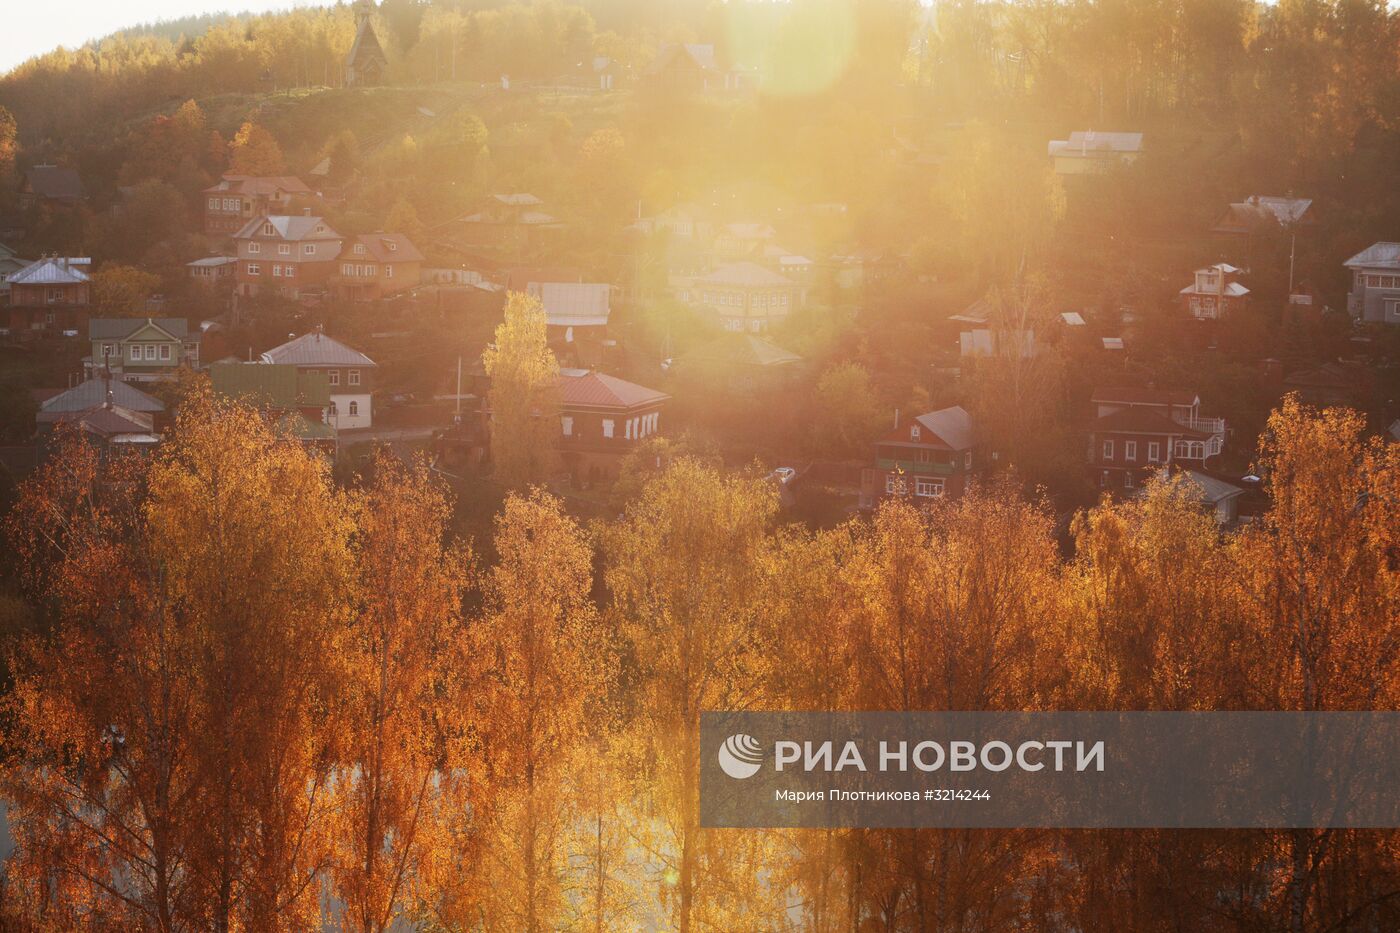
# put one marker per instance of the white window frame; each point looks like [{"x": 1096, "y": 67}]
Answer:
[
  {"x": 608, "y": 427},
  {"x": 308, "y": 249},
  {"x": 928, "y": 486},
  {"x": 1130, "y": 451},
  {"x": 165, "y": 352},
  {"x": 1107, "y": 450},
  {"x": 1154, "y": 452},
  {"x": 254, "y": 249},
  {"x": 284, "y": 249},
  {"x": 333, "y": 376},
  {"x": 354, "y": 377},
  {"x": 254, "y": 269},
  {"x": 566, "y": 422},
  {"x": 354, "y": 408}
]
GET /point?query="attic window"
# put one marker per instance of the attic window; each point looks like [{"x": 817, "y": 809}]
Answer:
[
  {"x": 320, "y": 228},
  {"x": 359, "y": 249},
  {"x": 393, "y": 247},
  {"x": 267, "y": 230},
  {"x": 914, "y": 433}
]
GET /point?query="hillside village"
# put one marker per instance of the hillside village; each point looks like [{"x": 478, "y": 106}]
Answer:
[
  {"x": 821, "y": 329},
  {"x": 418, "y": 416}
]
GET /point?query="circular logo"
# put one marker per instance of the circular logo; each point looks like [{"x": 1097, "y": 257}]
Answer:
[{"x": 740, "y": 756}]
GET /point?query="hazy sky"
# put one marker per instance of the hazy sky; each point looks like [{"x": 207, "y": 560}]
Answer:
[{"x": 29, "y": 27}]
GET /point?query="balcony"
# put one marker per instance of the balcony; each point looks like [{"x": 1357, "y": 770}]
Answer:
[
  {"x": 916, "y": 468},
  {"x": 1211, "y": 426}
]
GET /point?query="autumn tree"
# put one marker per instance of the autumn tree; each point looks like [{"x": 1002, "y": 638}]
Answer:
[
  {"x": 9, "y": 144},
  {"x": 173, "y": 725},
  {"x": 846, "y": 412},
  {"x": 254, "y": 151},
  {"x": 684, "y": 570},
  {"x": 545, "y": 665},
  {"x": 401, "y": 788},
  {"x": 524, "y": 395},
  {"x": 122, "y": 291}
]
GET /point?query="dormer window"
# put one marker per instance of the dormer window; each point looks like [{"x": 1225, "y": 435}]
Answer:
[
  {"x": 393, "y": 247},
  {"x": 359, "y": 249},
  {"x": 914, "y": 433}
]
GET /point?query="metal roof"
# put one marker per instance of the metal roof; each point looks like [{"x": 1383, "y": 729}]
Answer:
[
  {"x": 1142, "y": 421},
  {"x": 56, "y": 183},
  {"x": 580, "y": 388},
  {"x": 289, "y": 227},
  {"x": 93, "y": 392},
  {"x": 1383, "y": 255},
  {"x": 952, "y": 426},
  {"x": 1091, "y": 142},
  {"x": 384, "y": 247},
  {"x": 316, "y": 349},
  {"x": 744, "y": 274},
  {"x": 213, "y": 261},
  {"x": 53, "y": 270},
  {"x": 119, "y": 328},
  {"x": 573, "y": 304},
  {"x": 1135, "y": 396},
  {"x": 271, "y": 386},
  {"x": 259, "y": 185}
]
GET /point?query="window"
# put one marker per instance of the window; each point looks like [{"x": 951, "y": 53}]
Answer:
[
  {"x": 914, "y": 433},
  {"x": 568, "y": 425},
  {"x": 334, "y": 375},
  {"x": 254, "y": 269},
  {"x": 347, "y": 269},
  {"x": 359, "y": 249},
  {"x": 284, "y": 249},
  {"x": 287, "y": 270},
  {"x": 967, "y": 460},
  {"x": 393, "y": 247},
  {"x": 369, "y": 270},
  {"x": 254, "y": 248},
  {"x": 1154, "y": 452},
  {"x": 231, "y": 204},
  {"x": 1129, "y": 481},
  {"x": 268, "y": 230},
  {"x": 354, "y": 409},
  {"x": 135, "y": 352},
  {"x": 213, "y": 204},
  {"x": 1108, "y": 450},
  {"x": 55, "y": 296},
  {"x": 1130, "y": 450},
  {"x": 333, "y": 409},
  {"x": 151, "y": 351},
  {"x": 924, "y": 455},
  {"x": 890, "y": 485},
  {"x": 607, "y": 427},
  {"x": 388, "y": 271},
  {"x": 165, "y": 352},
  {"x": 276, "y": 271},
  {"x": 924, "y": 486},
  {"x": 308, "y": 249},
  {"x": 354, "y": 377}
]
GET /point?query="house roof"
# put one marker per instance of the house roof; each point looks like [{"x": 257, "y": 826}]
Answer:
[
  {"x": 744, "y": 348},
  {"x": 1230, "y": 290},
  {"x": 385, "y": 247},
  {"x": 1258, "y": 210},
  {"x": 573, "y": 304},
  {"x": 519, "y": 199},
  {"x": 101, "y": 420},
  {"x": 53, "y": 270},
  {"x": 289, "y": 227},
  {"x": 702, "y": 55},
  {"x": 366, "y": 47},
  {"x": 1142, "y": 421},
  {"x": 316, "y": 349},
  {"x": 750, "y": 231},
  {"x": 1137, "y": 396},
  {"x": 581, "y": 388},
  {"x": 1212, "y": 490},
  {"x": 1383, "y": 255},
  {"x": 119, "y": 328},
  {"x": 1085, "y": 143},
  {"x": 951, "y": 426},
  {"x": 744, "y": 275},
  {"x": 93, "y": 393},
  {"x": 281, "y": 387},
  {"x": 212, "y": 261},
  {"x": 55, "y": 183},
  {"x": 259, "y": 185}
]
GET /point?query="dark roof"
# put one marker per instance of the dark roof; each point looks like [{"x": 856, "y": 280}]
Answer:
[
  {"x": 93, "y": 392},
  {"x": 1142, "y": 421},
  {"x": 101, "y": 420},
  {"x": 55, "y": 183},
  {"x": 119, "y": 328},
  {"x": 259, "y": 185},
  {"x": 366, "y": 48},
  {"x": 745, "y": 349},
  {"x": 271, "y": 385},
  {"x": 1138, "y": 396},
  {"x": 580, "y": 388}
]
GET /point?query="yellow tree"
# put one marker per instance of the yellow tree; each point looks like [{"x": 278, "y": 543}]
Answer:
[
  {"x": 254, "y": 151},
  {"x": 540, "y": 633},
  {"x": 684, "y": 569},
  {"x": 401, "y": 786},
  {"x": 252, "y": 544},
  {"x": 524, "y": 396}
]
